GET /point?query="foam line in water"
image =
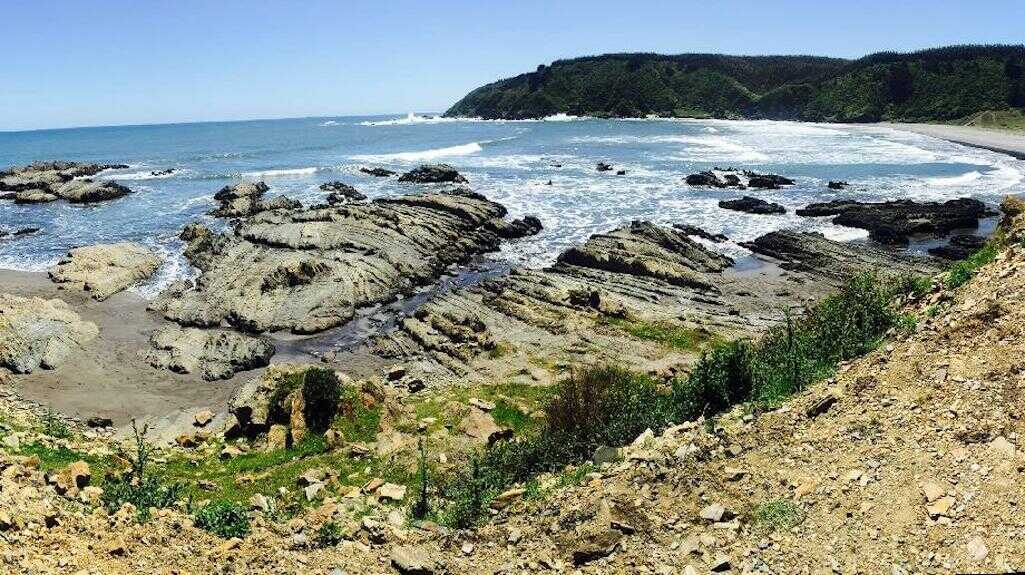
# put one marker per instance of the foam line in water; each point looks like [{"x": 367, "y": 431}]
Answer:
[{"x": 424, "y": 155}]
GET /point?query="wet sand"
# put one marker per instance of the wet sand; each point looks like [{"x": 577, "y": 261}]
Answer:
[
  {"x": 108, "y": 378},
  {"x": 1010, "y": 143}
]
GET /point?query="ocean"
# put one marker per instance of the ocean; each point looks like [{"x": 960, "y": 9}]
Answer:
[{"x": 510, "y": 162}]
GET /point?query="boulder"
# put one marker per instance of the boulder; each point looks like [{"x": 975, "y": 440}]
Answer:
[
  {"x": 894, "y": 222},
  {"x": 36, "y": 332},
  {"x": 518, "y": 228},
  {"x": 412, "y": 561},
  {"x": 689, "y": 230},
  {"x": 105, "y": 269},
  {"x": 603, "y": 167},
  {"x": 214, "y": 354},
  {"x": 733, "y": 178},
  {"x": 4, "y": 234},
  {"x": 240, "y": 200},
  {"x": 433, "y": 174},
  {"x": 834, "y": 185},
  {"x": 752, "y": 205}
]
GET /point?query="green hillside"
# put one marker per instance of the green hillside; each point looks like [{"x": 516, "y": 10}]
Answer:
[{"x": 937, "y": 84}]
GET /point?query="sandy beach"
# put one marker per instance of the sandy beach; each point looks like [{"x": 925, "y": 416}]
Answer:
[
  {"x": 1010, "y": 143},
  {"x": 109, "y": 378}
]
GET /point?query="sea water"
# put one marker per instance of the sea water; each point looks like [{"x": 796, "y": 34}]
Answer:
[{"x": 545, "y": 168}]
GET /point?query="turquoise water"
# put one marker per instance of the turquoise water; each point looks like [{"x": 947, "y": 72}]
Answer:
[{"x": 510, "y": 162}]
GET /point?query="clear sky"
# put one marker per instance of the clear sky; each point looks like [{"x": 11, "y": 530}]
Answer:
[{"x": 101, "y": 62}]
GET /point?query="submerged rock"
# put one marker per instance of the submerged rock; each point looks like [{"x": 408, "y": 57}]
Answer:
[
  {"x": 690, "y": 230},
  {"x": 894, "y": 222},
  {"x": 835, "y": 185},
  {"x": 17, "y": 233},
  {"x": 215, "y": 354},
  {"x": 752, "y": 205},
  {"x": 88, "y": 191},
  {"x": 960, "y": 247},
  {"x": 433, "y": 174},
  {"x": 39, "y": 333},
  {"x": 377, "y": 172},
  {"x": 105, "y": 269}
]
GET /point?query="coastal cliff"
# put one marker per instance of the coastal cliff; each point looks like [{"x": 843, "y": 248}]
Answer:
[{"x": 938, "y": 84}]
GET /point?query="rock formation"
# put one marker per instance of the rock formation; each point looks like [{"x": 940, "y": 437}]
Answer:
[
  {"x": 216, "y": 354},
  {"x": 105, "y": 269},
  {"x": 739, "y": 179},
  {"x": 43, "y": 182},
  {"x": 39, "y": 333},
  {"x": 306, "y": 271}
]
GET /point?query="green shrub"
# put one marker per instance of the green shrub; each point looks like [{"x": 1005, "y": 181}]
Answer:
[
  {"x": 328, "y": 535},
  {"x": 321, "y": 393},
  {"x": 136, "y": 486},
  {"x": 777, "y": 514},
  {"x": 723, "y": 376},
  {"x": 54, "y": 426},
  {"x": 966, "y": 269},
  {"x": 224, "y": 519}
]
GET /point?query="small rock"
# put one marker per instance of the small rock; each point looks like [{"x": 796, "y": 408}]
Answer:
[
  {"x": 977, "y": 550},
  {"x": 203, "y": 418},
  {"x": 932, "y": 491},
  {"x": 412, "y": 561},
  {"x": 941, "y": 507},
  {"x": 715, "y": 513},
  {"x": 392, "y": 491}
]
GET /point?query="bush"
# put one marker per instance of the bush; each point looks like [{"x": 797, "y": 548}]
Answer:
[
  {"x": 137, "y": 487},
  {"x": 321, "y": 393},
  {"x": 723, "y": 376},
  {"x": 224, "y": 519},
  {"x": 54, "y": 426},
  {"x": 966, "y": 269},
  {"x": 777, "y": 514},
  {"x": 328, "y": 535}
]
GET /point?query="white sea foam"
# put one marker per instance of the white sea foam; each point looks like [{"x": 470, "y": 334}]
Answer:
[
  {"x": 423, "y": 155},
  {"x": 329, "y": 123},
  {"x": 410, "y": 120},
  {"x": 960, "y": 180},
  {"x": 288, "y": 172},
  {"x": 139, "y": 176}
]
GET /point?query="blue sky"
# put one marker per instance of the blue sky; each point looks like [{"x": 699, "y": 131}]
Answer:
[{"x": 102, "y": 62}]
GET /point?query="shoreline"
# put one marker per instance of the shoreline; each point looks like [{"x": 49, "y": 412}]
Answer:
[{"x": 1003, "y": 142}]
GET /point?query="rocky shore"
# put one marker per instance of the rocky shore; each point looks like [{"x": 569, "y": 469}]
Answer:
[{"x": 44, "y": 182}]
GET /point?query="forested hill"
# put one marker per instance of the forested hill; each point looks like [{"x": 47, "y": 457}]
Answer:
[{"x": 936, "y": 84}]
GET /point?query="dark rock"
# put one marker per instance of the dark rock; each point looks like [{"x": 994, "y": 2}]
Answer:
[
  {"x": 621, "y": 173},
  {"x": 8, "y": 195},
  {"x": 733, "y": 178},
  {"x": 86, "y": 191},
  {"x": 696, "y": 231},
  {"x": 16, "y": 233},
  {"x": 603, "y": 167},
  {"x": 342, "y": 193},
  {"x": 752, "y": 205},
  {"x": 767, "y": 181},
  {"x": 99, "y": 422},
  {"x": 166, "y": 172},
  {"x": 960, "y": 247},
  {"x": 834, "y": 185},
  {"x": 377, "y": 172},
  {"x": 821, "y": 406},
  {"x": 706, "y": 179},
  {"x": 519, "y": 228},
  {"x": 894, "y": 222},
  {"x": 433, "y": 174}
]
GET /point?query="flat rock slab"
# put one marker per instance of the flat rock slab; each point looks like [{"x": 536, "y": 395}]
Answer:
[
  {"x": 309, "y": 270},
  {"x": 105, "y": 269},
  {"x": 39, "y": 333},
  {"x": 214, "y": 354},
  {"x": 753, "y": 205}
]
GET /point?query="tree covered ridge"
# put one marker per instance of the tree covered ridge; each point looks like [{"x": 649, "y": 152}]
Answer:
[{"x": 937, "y": 84}]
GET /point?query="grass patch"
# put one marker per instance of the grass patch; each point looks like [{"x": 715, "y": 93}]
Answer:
[
  {"x": 667, "y": 334},
  {"x": 777, "y": 515},
  {"x": 966, "y": 269},
  {"x": 224, "y": 519}
]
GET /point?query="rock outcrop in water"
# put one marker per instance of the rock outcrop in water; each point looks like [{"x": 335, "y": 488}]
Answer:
[
  {"x": 433, "y": 174},
  {"x": 309, "y": 270},
  {"x": 246, "y": 199},
  {"x": 39, "y": 333},
  {"x": 894, "y": 222},
  {"x": 753, "y": 205},
  {"x": 959, "y": 247},
  {"x": 105, "y": 269},
  {"x": 43, "y": 182},
  {"x": 215, "y": 354},
  {"x": 342, "y": 193},
  {"x": 824, "y": 258},
  {"x": 518, "y": 228},
  {"x": 377, "y": 172},
  {"x": 739, "y": 179}
]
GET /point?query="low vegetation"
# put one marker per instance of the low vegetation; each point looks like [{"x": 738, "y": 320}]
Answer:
[
  {"x": 670, "y": 335},
  {"x": 606, "y": 406},
  {"x": 224, "y": 519},
  {"x": 965, "y": 269},
  {"x": 777, "y": 515}
]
